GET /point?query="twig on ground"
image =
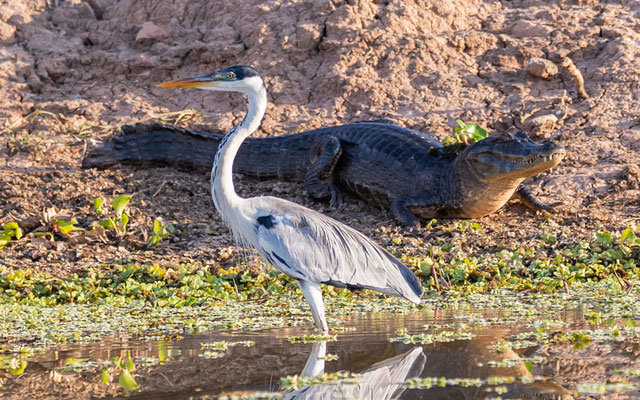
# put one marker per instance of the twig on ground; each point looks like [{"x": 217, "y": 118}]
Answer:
[
  {"x": 575, "y": 72},
  {"x": 159, "y": 189}
]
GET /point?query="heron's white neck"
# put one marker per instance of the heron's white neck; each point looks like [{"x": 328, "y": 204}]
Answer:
[{"x": 222, "y": 190}]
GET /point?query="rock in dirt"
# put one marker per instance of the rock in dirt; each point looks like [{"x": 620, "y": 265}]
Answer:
[
  {"x": 523, "y": 28},
  {"x": 541, "y": 125},
  {"x": 541, "y": 68},
  {"x": 6, "y": 31},
  {"x": 151, "y": 31}
]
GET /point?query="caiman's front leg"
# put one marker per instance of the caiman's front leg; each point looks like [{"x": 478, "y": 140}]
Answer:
[
  {"x": 531, "y": 201},
  {"x": 425, "y": 205},
  {"x": 403, "y": 214},
  {"x": 319, "y": 179}
]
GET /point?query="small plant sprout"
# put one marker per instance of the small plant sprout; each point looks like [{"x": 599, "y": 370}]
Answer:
[
  {"x": 117, "y": 223},
  {"x": 469, "y": 133},
  {"x": 124, "y": 364},
  {"x": 179, "y": 117},
  {"x": 10, "y": 231},
  {"x": 67, "y": 227},
  {"x": 97, "y": 205},
  {"x": 159, "y": 233}
]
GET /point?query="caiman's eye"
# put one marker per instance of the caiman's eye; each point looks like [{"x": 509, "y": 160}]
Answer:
[{"x": 506, "y": 136}]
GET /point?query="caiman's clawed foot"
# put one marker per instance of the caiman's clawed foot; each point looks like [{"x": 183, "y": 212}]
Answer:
[
  {"x": 336, "y": 197},
  {"x": 321, "y": 190},
  {"x": 413, "y": 229},
  {"x": 405, "y": 216},
  {"x": 318, "y": 181},
  {"x": 531, "y": 201}
]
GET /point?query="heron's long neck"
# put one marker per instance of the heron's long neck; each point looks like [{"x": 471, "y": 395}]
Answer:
[{"x": 222, "y": 190}]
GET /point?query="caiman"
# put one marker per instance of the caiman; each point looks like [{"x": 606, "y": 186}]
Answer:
[{"x": 404, "y": 170}]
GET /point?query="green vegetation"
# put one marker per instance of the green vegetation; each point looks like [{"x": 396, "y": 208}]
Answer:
[
  {"x": 112, "y": 226},
  {"x": 10, "y": 231},
  {"x": 118, "y": 222},
  {"x": 179, "y": 117},
  {"x": 465, "y": 134},
  {"x": 160, "y": 231},
  {"x": 551, "y": 265}
]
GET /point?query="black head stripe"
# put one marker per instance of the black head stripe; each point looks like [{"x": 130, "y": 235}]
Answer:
[{"x": 241, "y": 71}]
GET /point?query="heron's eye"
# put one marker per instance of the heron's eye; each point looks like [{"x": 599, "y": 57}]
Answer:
[{"x": 230, "y": 75}]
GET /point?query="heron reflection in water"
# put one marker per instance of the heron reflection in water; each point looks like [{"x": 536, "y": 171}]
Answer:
[{"x": 381, "y": 381}]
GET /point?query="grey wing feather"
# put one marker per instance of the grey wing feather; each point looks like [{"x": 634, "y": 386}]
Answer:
[{"x": 310, "y": 246}]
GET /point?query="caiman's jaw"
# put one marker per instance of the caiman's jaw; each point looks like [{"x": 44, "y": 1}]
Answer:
[
  {"x": 510, "y": 157},
  {"x": 522, "y": 167}
]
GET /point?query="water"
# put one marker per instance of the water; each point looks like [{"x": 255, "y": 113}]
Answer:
[{"x": 209, "y": 365}]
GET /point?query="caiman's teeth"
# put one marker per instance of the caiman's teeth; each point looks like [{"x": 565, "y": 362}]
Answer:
[{"x": 544, "y": 158}]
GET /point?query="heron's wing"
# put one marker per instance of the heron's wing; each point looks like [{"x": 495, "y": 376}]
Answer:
[{"x": 313, "y": 247}]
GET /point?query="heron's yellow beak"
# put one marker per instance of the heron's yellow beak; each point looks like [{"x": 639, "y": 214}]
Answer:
[{"x": 197, "y": 82}]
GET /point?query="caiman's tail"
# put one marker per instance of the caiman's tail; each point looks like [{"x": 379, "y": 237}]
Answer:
[
  {"x": 156, "y": 145},
  {"x": 153, "y": 145}
]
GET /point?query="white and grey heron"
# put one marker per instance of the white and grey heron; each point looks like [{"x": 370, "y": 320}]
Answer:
[{"x": 307, "y": 246}]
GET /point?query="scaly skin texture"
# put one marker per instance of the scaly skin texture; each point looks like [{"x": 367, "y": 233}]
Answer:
[{"x": 382, "y": 163}]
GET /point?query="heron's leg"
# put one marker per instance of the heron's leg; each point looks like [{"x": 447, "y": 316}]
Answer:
[
  {"x": 531, "y": 201},
  {"x": 313, "y": 293},
  {"x": 315, "y": 363},
  {"x": 319, "y": 179}
]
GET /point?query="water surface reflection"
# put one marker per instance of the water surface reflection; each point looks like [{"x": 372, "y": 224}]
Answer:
[{"x": 188, "y": 367}]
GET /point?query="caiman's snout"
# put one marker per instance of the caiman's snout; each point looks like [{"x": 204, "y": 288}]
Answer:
[{"x": 551, "y": 153}]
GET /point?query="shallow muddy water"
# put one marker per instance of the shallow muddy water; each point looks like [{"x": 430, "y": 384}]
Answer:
[{"x": 393, "y": 356}]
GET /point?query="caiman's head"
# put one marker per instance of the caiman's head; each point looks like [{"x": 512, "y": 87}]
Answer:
[{"x": 508, "y": 157}]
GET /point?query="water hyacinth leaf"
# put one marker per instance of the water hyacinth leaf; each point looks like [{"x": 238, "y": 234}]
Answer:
[
  {"x": 130, "y": 366},
  {"x": 126, "y": 381},
  {"x": 473, "y": 131},
  {"x": 528, "y": 365},
  {"x": 47, "y": 235},
  {"x": 159, "y": 229},
  {"x": 129, "y": 362},
  {"x": 4, "y": 240},
  {"x": 162, "y": 351},
  {"x": 13, "y": 230},
  {"x": 627, "y": 236},
  {"x": 120, "y": 202},
  {"x": 153, "y": 240},
  {"x": 11, "y": 226},
  {"x": 104, "y": 376},
  {"x": 97, "y": 205},
  {"x": 18, "y": 367},
  {"x": 604, "y": 238},
  {"x": 108, "y": 223},
  {"x": 67, "y": 226},
  {"x": 124, "y": 221}
]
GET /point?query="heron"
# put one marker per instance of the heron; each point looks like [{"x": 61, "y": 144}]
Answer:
[{"x": 309, "y": 247}]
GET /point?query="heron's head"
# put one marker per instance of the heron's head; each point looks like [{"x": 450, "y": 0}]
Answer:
[{"x": 239, "y": 78}]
